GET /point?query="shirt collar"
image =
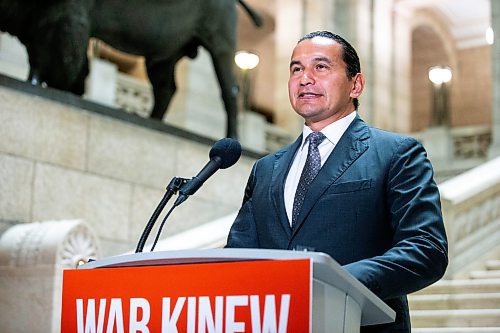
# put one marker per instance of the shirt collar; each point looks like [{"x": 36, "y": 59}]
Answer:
[{"x": 334, "y": 131}]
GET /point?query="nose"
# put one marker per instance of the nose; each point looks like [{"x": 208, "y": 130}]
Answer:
[{"x": 307, "y": 78}]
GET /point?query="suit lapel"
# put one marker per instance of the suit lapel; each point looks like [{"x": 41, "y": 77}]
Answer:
[
  {"x": 282, "y": 163},
  {"x": 349, "y": 148}
]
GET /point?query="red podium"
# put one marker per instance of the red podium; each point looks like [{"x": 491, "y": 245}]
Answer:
[{"x": 220, "y": 290}]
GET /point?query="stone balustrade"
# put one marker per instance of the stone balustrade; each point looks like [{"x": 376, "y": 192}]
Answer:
[
  {"x": 471, "y": 210},
  {"x": 471, "y": 142},
  {"x": 133, "y": 95}
]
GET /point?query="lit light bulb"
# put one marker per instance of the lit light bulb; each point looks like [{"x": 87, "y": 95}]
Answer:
[
  {"x": 490, "y": 36},
  {"x": 440, "y": 74},
  {"x": 246, "y": 60}
]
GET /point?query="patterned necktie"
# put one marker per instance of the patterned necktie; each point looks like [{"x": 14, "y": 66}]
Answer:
[{"x": 311, "y": 169}]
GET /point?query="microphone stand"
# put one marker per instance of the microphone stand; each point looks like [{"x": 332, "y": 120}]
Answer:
[{"x": 175, "y": 184}]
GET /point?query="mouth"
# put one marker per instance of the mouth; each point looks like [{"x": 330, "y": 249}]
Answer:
[{"x": 308, "y": 95}]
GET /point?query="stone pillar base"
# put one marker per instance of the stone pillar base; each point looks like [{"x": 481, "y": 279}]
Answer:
[{"x": 32, "y": 259}]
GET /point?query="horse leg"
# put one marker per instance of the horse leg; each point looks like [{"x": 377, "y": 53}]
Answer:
[
  {"x": 78, "y": 85},
  {"x": 58, "y": 48},
  {"x": 223, "y": 65},
  {"x": 35, "y": 54},
  {"x": 34, "y": 76},
  {"x": 162, "y": 77}
]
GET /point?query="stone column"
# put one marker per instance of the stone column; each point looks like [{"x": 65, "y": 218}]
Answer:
[
  {"x": 401, "y": 70},
  {"x": 319, "y": 15},
  {"x": 344, "y": 20},
  {"x": 383, "y": 75},
  {"x": 289, "y": 28},
  {"x": 383, "y": 42},
  {"x": 495, "y": 78},
  {"x": 363, "y": 43}
]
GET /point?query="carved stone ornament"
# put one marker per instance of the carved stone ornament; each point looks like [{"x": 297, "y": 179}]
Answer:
[{"x": 64, "y": 244}]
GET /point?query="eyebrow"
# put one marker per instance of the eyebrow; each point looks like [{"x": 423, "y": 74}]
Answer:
[
  {"x": 294, "y": 62},
  {"x": 317, "y": 59}
]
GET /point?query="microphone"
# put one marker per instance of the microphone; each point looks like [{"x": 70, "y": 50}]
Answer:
[{"x": 223, "y": 154}]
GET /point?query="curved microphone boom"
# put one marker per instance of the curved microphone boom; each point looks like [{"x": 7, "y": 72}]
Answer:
[{"x": 223, "y": 154}]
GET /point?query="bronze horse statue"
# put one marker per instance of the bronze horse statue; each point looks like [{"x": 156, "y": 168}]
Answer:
[{"x": 56, "y": 35}]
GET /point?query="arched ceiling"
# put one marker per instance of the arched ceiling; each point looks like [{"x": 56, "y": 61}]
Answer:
[{"x": 467, "y": 20}]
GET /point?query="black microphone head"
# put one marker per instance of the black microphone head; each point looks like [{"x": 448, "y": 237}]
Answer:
[{"x": 228, "y": 150}]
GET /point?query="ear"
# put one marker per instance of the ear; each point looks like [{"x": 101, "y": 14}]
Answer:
[{"x": 358, "y": 85}]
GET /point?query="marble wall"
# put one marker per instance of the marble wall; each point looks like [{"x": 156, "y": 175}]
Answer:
[{"x": 59, "y": 161}]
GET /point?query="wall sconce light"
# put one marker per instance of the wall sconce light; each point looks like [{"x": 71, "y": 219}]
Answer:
[
  {"x": 246, "y": 61},
  {"x": 440, "y": 74}
]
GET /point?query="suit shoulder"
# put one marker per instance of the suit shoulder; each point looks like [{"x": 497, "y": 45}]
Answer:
[
  {"x": 387, "y": 137},
  {"x": 398, "y": 147}
]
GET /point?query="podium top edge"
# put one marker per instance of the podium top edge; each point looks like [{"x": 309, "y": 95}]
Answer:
[
  {"x": 204, "y": 256},
  {"x": 324, "y": 267}
]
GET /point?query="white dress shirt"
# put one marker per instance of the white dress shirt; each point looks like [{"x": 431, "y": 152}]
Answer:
[{"x": 333, "y": 133}]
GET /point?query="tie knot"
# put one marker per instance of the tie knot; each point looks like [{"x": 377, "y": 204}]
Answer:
[{"x": 315, "y": 138}]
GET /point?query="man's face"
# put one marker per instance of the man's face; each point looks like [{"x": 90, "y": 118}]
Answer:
[{"x": 318, "y": 87}]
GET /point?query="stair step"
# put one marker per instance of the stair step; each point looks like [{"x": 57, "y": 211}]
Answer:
[
  {"x": 493, "y": 264},
  {"x": 461, "y": 286},
  {"x": 489, "y": 274},
  {"x": 457, "y": 330},
  {"x": 456, "y": 318},
  {"x": 455, "y": 301}
]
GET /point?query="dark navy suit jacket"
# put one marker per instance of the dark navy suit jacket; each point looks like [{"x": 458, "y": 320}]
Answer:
[{"x": 373, "y": 207}]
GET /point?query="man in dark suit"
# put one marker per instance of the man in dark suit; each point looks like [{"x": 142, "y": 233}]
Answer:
[{"x": 362, "y": 195}]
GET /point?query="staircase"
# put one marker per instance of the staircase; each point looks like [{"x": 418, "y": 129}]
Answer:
[{"x": 470, "y": 303}]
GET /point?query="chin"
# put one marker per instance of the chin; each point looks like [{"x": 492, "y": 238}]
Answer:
[{"x": 308, "y": 111}]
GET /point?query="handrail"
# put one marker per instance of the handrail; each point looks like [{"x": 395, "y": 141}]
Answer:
[{"x": 471, "y": 211}]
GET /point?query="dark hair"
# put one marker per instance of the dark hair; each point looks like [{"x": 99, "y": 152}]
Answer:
[{"x": 349, "y": 54}]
